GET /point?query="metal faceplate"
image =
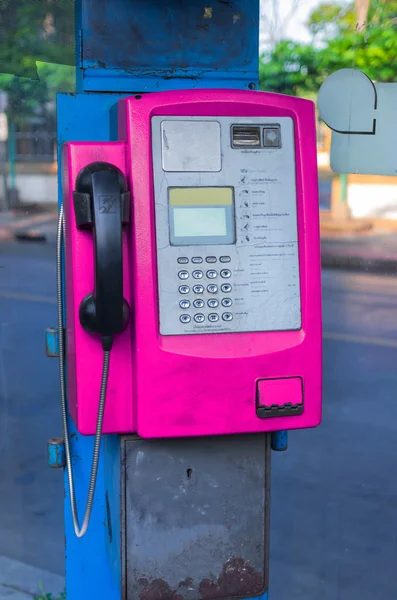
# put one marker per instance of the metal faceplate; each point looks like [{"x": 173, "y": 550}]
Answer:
[
  {"x": 196, "y": 517},
  {"x": 252, "y": 284},
  {"x": 155, "y": 45}
]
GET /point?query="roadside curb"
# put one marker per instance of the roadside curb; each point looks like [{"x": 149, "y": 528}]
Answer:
[
  {"x": 38, "y": 228},
  {"x": 22, "y": 228},
  {"x": 386, "y": 266}
]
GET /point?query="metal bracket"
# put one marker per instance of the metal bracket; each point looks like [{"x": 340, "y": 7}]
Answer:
[
  {"x": 56, "y": 453},
  {"x": 52, "y": 342}
]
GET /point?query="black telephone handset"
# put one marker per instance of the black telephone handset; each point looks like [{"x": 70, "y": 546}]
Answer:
[{"x": 102, "y": 203}]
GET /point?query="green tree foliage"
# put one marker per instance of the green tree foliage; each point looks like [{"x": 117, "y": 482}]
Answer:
[
  {"x": 35, "y": 30},
  {"x": 28, "y": 98},
  {"x": 37, "y": 49},
  {"x": 338, "y": 42}
]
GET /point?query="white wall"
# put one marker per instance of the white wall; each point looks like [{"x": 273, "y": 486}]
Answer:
[
  {"x": 371, "y": 200},
  {"x": 37, "y": 188}
]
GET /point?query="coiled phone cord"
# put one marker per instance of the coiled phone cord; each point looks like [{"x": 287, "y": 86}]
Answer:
[{"x": 79, "y": 531}]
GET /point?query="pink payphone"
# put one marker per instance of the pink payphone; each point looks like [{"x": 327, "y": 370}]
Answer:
[{"x": 193, "y": 262}]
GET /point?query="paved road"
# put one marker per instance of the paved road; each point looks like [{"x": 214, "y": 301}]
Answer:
[
  {"x": 31, "y": 494},
  {"x": 334, "y": 493}
]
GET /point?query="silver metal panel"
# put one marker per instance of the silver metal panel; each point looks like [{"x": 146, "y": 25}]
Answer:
[
  {"x": 264, "y": 262},
  {"x": 190, "y": 145},
  {"x": 196, "y": 517}
]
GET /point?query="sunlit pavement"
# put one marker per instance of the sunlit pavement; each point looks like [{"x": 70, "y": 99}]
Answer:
[
  {"x": 19, "y": 581},
  {"x": 334, "y": 492}
]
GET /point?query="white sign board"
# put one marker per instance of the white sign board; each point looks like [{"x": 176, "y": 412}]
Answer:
[{"x": 363, "y": 119}]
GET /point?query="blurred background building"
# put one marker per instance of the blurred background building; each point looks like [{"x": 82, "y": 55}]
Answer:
[{"x": 302, "y": 42}]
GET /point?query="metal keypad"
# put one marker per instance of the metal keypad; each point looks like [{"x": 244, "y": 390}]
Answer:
[{"x": 207, "y": 287}]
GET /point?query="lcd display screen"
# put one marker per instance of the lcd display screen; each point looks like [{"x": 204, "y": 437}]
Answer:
[
  {"x": 201, "y": 215},
  {"x": 202, "y": 221}
]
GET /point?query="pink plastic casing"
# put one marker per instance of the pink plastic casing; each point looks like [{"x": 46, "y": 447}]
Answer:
[
  {"x": 194, "y": 385},
  {"x": 198, "y": 385},
  {"x": 84, "y": 351}
]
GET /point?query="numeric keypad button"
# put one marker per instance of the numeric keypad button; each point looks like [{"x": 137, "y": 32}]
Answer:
[
  {"x": 197, "y": 274},
  {"x": 213, "y": 303},
  {"x": 184, "y": 304},
  {"x": 199, "y": 318},
  {"x": 184, "y": 289},
  {"x": 212, "y": 274},
  {"x": 185, "y": 318},
  {"x": 227, "y": 302},
  {"x": 183, "y": 275},
  {"x": 213, "y": 317},
  {"x": 227, "y": 316},
  {"x": 198, "y": 303},
  {"x": 212, "y": 288},
  {"x": 198, "y": 289}
]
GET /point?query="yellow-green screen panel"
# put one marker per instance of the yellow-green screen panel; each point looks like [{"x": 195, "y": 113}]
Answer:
[{"x": 201, "y": 196}]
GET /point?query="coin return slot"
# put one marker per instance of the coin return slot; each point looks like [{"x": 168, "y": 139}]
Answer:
[{"x": 246, "y": 136}]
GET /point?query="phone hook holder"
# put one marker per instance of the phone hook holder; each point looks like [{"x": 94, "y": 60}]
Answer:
[{"x": 102, "y": 204}]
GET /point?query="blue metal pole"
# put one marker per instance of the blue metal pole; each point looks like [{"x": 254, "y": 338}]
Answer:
[
  {"x": 89, "y": 573},
  {"x": 218, "y": 41}
]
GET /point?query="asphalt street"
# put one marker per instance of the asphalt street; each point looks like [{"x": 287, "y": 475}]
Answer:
[{"x": 334, "y": 492}]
